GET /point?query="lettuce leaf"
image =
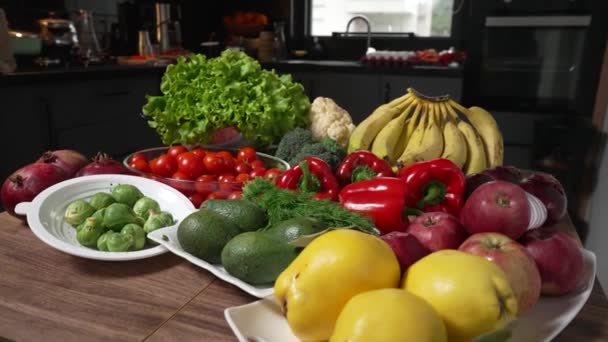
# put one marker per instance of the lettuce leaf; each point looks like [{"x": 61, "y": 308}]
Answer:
[{"x": 201, "y": 95}]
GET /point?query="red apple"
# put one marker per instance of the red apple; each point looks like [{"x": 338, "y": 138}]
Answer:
[
  {"x": 406, "y": 247},
  {"x": 497, "y": 206},
  {"x": 474, "y": 181},
  {"x": 514, "y": 260},
  {"x": 550, "y": 191},
  {"x": 437, "y": 231},
  {"x": 509, "y": 174},
  {"x": 559, "y": 259}
]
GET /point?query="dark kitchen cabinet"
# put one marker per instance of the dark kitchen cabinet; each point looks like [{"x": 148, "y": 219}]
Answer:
[{"x": 394, "y": 86}]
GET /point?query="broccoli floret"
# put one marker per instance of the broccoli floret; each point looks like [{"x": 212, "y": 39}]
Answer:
[
  {"x": 292, "y": 142},
  {"x": 322, "y": 150}
]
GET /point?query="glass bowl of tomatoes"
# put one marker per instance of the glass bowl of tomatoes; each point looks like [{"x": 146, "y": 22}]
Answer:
[{"x": 204, "y": 172}]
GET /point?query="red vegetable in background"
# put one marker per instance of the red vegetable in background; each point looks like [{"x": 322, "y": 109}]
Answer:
[
  {"x": 311, "y": 175},
  {"x": 362, "y": 165},
  {"x": 26, "y": 183},
  {"x": 382, "y": 198},
  {"x": 550, "y": 191},
  {"x": 434, "y": 185},
  {"x": 102, "y": 164},
  {"x": 69, "y": 161}
]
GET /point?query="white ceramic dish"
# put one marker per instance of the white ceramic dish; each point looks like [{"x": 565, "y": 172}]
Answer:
[
  {"x": 167, "y": 237},
  {"x": 45, "y": 212},
  {"x": 262, "y": 321}
]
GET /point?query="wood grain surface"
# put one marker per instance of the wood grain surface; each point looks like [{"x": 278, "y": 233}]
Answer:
[{"x": 46, "y": 295}]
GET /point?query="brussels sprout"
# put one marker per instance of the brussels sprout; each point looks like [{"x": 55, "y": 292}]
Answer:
[
  {"x": 120, "y": 242},
  {"x": 117, "y": 215},
  {"x": 158, "y": 220},
  {"x": 101, "y": 200},
  {"x": 143, "y": 206},
  {"x": 89, "y": 232},
  {"x": 102, "y": 241},
  {"x": 139, "y": 236},
  {"x": 126, "y": 194},
  {"x": 99, "y": 216},
  {"x": 77, "y": 212}
]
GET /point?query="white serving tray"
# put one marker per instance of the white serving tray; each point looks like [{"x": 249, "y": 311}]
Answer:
[
  {"x": 45, "y": 213},
  {"x": 167, "y": 237},
  {"x": 262, "y": 321}
]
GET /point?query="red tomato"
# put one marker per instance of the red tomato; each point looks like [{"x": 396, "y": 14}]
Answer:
[
  {"x": 138, "y": 156},
  {"x": 163, "y": 165},
  {"x": 224, "y": 154},
  {"x": 257, "y": 173},
  {"x": 246, "y": 154},
  {"x": 242, "y": 177},
  {"x": 243, "y": 168},
  {"x": 273, "y": 173},
  {"x": 191, "y": 164},
  {"x": 224, "y": 178},
  {"x": 235, "y": 195},
  {"x": 258, "y": 164},
  {"x": 140, "y": 165},
  {"x": 176, "y": 150},
  {"x": 216, "y": 195},
  {"x": 180, "y": 175},
  {"x": 196, "y": 199},
  {"x": 229, "y": 162},
  {"x": 206, "y": 184},
  {"x": 213, "y": 163},
  {"x": 199, "y": 151}
]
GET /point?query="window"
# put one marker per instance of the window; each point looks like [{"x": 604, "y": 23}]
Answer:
[{"x": 424, "y": 18}]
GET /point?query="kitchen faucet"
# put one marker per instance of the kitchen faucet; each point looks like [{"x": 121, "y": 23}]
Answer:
[{"x": 369, "y": 31}]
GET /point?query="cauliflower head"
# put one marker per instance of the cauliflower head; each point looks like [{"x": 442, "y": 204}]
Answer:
[{"x": 328, "y": 119}]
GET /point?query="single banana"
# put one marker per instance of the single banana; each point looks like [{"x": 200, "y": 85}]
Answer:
[
  {"x": 476, "y": 154},
  {"x": 362, "y": 136},
  {"x": 407, "y": 133},
  {"x": 488, "y": 130},
  {"x": 430, "y": 145},
  {"x": 384, "y": 143},
  {"x": 454, "y": 144}
]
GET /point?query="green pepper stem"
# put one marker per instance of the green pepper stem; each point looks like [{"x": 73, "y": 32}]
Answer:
[
  {"x": 433, "y": 192},
  {"x": 308, "y": 182},
  {"x": 362, "y": 173}
]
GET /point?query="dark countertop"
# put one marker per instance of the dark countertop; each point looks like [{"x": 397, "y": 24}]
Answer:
[{"x": 28, "y": 75}]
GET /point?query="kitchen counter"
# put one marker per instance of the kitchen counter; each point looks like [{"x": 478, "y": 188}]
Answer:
[{"x": 49, "y": 295}]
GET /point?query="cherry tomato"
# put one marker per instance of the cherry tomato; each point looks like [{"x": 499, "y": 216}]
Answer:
[
  {"x": 257, "y": 173},
  {"x": 235, "y": 195},
  {"x": 229, "y": 162},
  {"x": 176, "y": 150},
  {"x": 272, "y": 173},
  {"x": 191, "y": 164},
  {"x": 216, "y": 195},
  {"x": 224, "y": 178},
  {"x": 163, "y": 165},
  {"x": 180, "y": 175},
  {"x": 138, "y": 156},
  {"x": 213, "y": 163},
  {"x": 196, "y": 199},
  {"x": 140, "y": 165},
  {"x": 243, "y": 168},
  {"x": 224, "y": 154},
  {"x": 246, "y": 154},
  {"x": 199, "y": 151},
  {"x": 206, "y": 184},
  {"x": 258, "y": 164},
  {"x": 242, "y": 177}
]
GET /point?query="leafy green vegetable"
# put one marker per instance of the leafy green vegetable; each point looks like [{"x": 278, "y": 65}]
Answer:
[
  {"x": 282, "y": 204},
  {"x": 201, "y": 95}
]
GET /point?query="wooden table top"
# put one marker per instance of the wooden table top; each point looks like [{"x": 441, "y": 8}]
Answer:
[{"x": 46, "y": 295}]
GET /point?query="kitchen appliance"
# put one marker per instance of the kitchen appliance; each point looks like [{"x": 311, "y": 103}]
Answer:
[
  {"x": 168, "y": 30},
  {"x": 534, "y": 56},
  {"x": 59, "y": 41},
  {"x": 88, "y": 45},
  {"x": 7, "y": 61}
]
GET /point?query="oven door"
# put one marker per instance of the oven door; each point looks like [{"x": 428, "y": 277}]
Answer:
[{"x": 531, "y": 63}]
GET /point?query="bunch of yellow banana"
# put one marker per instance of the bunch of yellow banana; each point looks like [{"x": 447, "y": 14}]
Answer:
[{"x": 415, "y": 127}]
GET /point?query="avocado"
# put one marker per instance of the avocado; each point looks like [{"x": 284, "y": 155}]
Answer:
[
  {"x": 204, "y": 233},
  {"x": 256, "y": 258},
  {"x": 246, "y": 215},
  {"x": 293, "y": 228}
]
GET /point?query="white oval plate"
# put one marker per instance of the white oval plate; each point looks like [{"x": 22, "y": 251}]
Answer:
[
  {"x": 168, "y": 237},
  {"x": 45, "y": 212},
  {"x": 262, "y": 321}
]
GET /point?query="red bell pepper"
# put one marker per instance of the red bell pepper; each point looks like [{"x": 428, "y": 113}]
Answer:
[
  {"x": 382, "y": 198},
  {"x": 311, "y": 175},
  {"x": 362, "y": 165},
  {"x": 434, "y": 185}
]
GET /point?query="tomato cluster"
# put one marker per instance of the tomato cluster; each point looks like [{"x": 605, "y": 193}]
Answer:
[{"x": 203, "y": 174}]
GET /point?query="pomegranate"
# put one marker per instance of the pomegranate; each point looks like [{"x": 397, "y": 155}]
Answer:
[
  {"x": 69, "y": 161},
  {"x": 102, "y": 164}
]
